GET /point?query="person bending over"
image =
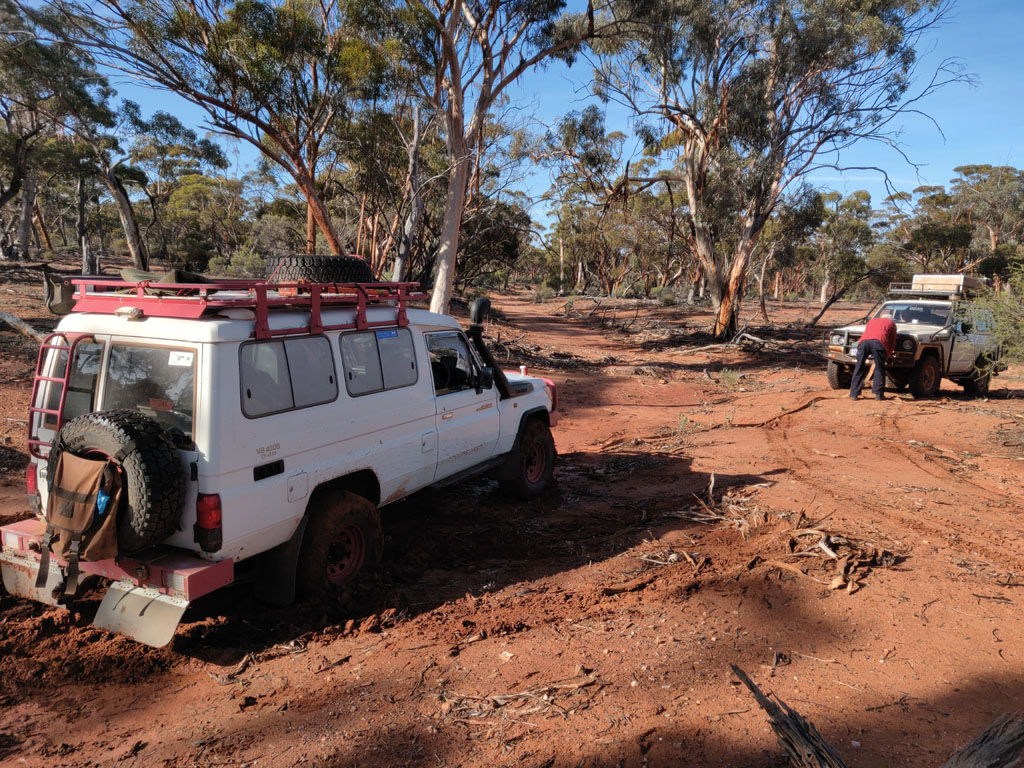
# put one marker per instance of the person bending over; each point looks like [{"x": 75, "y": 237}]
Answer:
[{"x": 877, "y": 343}]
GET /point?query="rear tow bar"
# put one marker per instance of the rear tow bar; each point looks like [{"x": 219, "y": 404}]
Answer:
[{"x": 149, "y": 593}]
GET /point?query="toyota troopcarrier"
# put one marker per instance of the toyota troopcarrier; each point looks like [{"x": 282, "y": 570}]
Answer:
[
  {"x": 249, "y": 422},
  {"x": 941, "y": 333}
]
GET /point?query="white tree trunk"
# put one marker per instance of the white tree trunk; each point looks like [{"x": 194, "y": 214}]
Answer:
[
  {"x": 28, "y": 202},
  {"x": 444, "y": 276},
  {"x": 412, "y": 221},
  {"x": 561, "y": 264}
]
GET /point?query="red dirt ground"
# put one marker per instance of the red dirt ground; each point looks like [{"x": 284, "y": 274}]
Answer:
[{"x": 595, "y": 626}]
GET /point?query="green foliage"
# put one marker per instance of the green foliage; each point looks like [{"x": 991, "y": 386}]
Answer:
[
  {"x": 543, "y": 293},
  {"x": 687, "y": 426},
  {"x": 244, "y": 262},
  {"x": 1007, "y": 308}
]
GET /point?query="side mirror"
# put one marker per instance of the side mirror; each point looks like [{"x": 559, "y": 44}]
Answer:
[
  {"x": 478, "y": 310},
  {"x": 486, "y": 378}
]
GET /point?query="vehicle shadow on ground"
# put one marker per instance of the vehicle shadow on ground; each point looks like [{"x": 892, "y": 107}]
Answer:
[
  {"x": 423, "y": 712},
  {"x": 442, "y": 544}
]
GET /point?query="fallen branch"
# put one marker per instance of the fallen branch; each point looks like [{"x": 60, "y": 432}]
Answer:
[
  {"x": 21, "y": 326},
  {"x": 798, "y": 738}
]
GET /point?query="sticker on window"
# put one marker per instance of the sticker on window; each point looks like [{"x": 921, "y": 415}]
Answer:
[
  {"x": 180, "y": 359},
  {"x": 387, "y": 334}
]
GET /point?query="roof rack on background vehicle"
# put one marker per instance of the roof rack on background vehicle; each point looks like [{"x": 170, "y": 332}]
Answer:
[{"x": 147, "y": 298}]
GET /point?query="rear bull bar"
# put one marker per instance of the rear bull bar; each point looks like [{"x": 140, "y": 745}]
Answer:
[{"x": 149, "y": 593}]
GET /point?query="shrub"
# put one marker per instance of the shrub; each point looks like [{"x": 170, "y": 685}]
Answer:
[
  {"x": 243, "y": 262},
  {"x": 728, "y": 378},
  {"x": 543, "y": 293}
]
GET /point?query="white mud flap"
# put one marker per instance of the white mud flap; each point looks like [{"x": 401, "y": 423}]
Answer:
[
  {"x": 19, "y": 576},
  {"x": 144, "y": 614}
]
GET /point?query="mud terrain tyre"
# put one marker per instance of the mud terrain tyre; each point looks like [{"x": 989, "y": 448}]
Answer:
[
  {"x": 532, "y": 463},
  {"x": 980, "y": 380},
  {"x": 926, "y": 378},
  {"x": 839, "y": 376},
  {"x": 897, "y": 381},
  {"x": 151, "y": 472},
  {"x": 319, "y": 269},
  {"x": 343, "y": 539}
]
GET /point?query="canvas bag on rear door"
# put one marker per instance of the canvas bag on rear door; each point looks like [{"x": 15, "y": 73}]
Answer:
[{"x": 81, "y": 515}]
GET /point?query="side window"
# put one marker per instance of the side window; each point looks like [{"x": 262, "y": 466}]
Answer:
[
  {"x": 281, "y": 375},
  {"x": 266, "y": 387},
  {"x": 312, "y": 370},
  {"x": 983, "y": 321},
  {"x": 81, "y": 384},
  {"x": 962, "y": 319},
  {"x": 378, "y": 360},
  {"x": 397, "y": 358},
  {"x": 450, "y": 362},
  {"x": 361, "y": 360}
]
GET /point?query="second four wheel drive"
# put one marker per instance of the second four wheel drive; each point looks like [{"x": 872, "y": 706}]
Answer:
[{"x": 941, "y": 333}]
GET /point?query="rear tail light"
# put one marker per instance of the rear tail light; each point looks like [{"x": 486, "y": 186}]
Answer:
[
  {"x": 208, "y": 531},
  {"x": 31, "y": 480}
]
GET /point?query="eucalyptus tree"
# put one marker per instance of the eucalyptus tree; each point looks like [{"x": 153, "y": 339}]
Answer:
[
  {"x": 277, "y": 74},
  {"x": 994, "y": 198},
  {"x": 464, "y": 54},
  {"x": 843, "y": 240},
  {"x": 166, "y": 152},
  {"x": 38, "y": 84},
  {"x": 795, "y": 219},
  {"x": 756, "y": 94}
]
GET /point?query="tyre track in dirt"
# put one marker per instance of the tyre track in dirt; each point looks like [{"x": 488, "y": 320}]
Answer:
[{"x": 793, "y": 449}]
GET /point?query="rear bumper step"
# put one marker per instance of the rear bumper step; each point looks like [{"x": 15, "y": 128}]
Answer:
[{"x": 151, "y": 589}]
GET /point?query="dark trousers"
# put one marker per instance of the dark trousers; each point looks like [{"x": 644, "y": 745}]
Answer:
[{"x": 875, "y": 350}]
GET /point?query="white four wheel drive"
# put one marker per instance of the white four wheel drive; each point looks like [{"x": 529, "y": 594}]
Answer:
[
  {"x": 941, "y": 333},
  {"x": 259, "y": 423}
]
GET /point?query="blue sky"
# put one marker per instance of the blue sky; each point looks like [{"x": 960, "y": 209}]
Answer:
[{"x": 980, "y": 124}]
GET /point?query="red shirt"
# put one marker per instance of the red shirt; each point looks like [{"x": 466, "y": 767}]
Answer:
[{"x": 881, "y": 329}]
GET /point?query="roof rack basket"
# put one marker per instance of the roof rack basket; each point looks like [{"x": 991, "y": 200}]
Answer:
[{"x": 148, "y": 298}]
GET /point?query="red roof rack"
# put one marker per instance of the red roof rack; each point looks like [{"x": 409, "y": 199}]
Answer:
[{"x": 193, "y": 300}]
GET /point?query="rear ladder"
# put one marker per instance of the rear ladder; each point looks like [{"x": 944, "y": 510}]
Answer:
[{"x": 37, "y": 410}]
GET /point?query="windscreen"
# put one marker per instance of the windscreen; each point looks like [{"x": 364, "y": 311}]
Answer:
[{"x": 915, "y": 313}]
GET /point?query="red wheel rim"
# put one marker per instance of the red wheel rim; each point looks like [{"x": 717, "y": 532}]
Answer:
[
  {"x": 535, "y": 461},
  {"x": 346, "y": 555}
]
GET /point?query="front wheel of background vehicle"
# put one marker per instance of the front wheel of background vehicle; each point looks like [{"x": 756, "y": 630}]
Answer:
[
  {"x": 151, "y": 471},
  {"x": 839, "y": 376},
  {"x": 897, "y": 380},
  {"x": 532, "y": 464},
  {"x": 343, "y": 539},
  {"x": 978, "y": 384},
  {"x": 926, "y": 378},
  {"x": 318, "y": 269}
]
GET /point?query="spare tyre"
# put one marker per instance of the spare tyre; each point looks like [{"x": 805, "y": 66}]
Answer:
[
  {"x": 151, "y": 471},
  {"x": 318, "y": 269}
]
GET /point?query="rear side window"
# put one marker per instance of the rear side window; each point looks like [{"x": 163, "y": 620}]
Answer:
[
  {"x": 378, "y": 360},
  {"x": 284, "y": 375}
]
